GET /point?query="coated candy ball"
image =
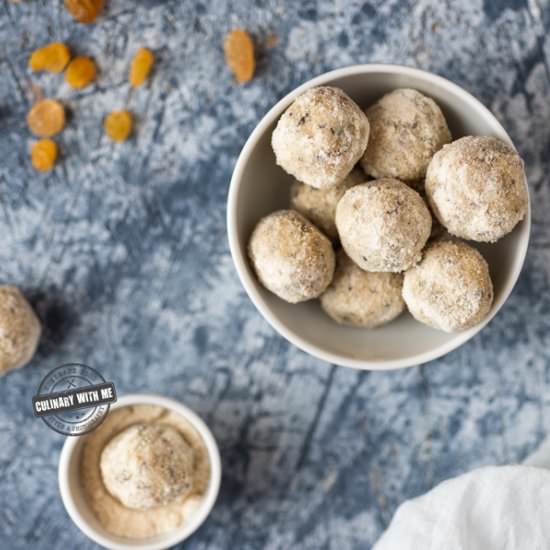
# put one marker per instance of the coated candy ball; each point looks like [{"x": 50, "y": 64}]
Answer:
[
  {"x": 19, "y": 329},
  {"x": 319, "y": 205},
  {"x": 407, "y": 128},
  {"x": 362, "y": 298},
  {"x": 383, "y": 225},
  {"x": 450, "y": 289},
  {"x": 291, "y": 257},
  {"x": 147, "y": 465},
  {"x": 476, "y": 188},
  {"x": 320, "y": 137}
]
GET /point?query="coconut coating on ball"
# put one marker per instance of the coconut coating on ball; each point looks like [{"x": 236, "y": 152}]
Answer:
[
  {"x": 450, "y": 289},
  {"x": 19, "y": 329},
  {"x": 383, "y": 225},
  {"x": 476, "y": 188},
  {"x": 319, "y": 205},
  {"x": 362, "y": 298},
  {"x": 320, "y": 137},
  {"x": 291, "y": 257},
  {"x": 407, "y": 128},
  {"x": 148, "y": 465}
]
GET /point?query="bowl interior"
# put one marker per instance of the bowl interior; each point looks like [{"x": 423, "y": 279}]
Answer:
[{"x": 259, "y": 187}]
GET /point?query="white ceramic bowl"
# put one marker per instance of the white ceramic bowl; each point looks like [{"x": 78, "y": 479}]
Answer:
[
  {"x": 82, "y": 515},
  {"x": 259, "y": 186}
]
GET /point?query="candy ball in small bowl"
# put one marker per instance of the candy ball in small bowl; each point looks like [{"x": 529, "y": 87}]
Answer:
[
  {"x": 146, "y": 478},
  {"x": 378, "y": 216}
]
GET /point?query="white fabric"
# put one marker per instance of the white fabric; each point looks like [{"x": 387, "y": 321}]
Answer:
[{"x": 493, "y": 508}]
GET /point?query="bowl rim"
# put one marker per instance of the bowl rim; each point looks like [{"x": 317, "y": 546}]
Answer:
[
  {"x": 170, "y": 538},
  {"x": 240, "y": 262}
]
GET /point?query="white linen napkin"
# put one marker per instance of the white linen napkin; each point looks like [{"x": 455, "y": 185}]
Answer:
[{"x": 492, "y": 508}]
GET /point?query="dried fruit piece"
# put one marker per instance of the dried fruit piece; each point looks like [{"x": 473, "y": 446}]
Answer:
[
  {"x": 118, "y": 125},
  {"x": 80, "y": 72},
  {"x": 141, "y": 66},
  {"x": 239, "y": 54},
  {"x": 46, "y": 118},
  {"x": 52, "y": 58},
  {"x": 43, "y": 155},
  {"x": 84, "y": 11}
]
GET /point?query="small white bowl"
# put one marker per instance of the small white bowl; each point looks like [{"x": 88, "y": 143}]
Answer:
[
  {"x": 84, "y": 518},
  {"x": 259, "y": 186}
]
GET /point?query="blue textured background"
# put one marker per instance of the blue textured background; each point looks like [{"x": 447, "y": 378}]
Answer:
[{"x": 122, "y": 251}]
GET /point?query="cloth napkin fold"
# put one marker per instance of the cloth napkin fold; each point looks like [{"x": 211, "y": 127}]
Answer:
[{"x": 491, "y": 508}]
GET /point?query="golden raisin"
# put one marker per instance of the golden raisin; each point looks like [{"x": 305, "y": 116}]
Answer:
[
  {"x": 239, "y": 54},
  {"x": 141, "y": 66},
  {"x": 46, "y": 118},
  {"x": 43, "y": 155},
  {"x": 51, "y": 58},
  {"x": 80, "y": 72},
  {"x": 84, "y": 11},
  {"x": 118, "y": 125}
]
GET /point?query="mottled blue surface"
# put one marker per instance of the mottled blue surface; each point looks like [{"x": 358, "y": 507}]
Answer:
[{"x": 122, "y": 251}]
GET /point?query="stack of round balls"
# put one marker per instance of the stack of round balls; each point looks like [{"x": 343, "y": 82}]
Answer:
[{"x": 375, "y": 182}]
